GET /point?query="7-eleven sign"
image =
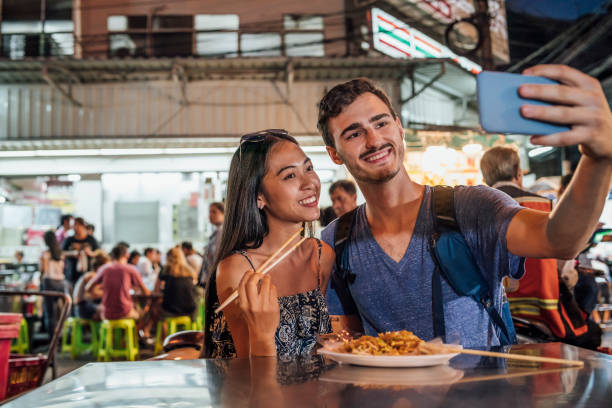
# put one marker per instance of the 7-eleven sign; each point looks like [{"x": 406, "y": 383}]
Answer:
[{"x": 397, "y": 39}]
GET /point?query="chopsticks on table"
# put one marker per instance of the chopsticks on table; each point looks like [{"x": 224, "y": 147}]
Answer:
[
  {"x": 267, "y": 265},
  {"x": 510, "y": 356}
]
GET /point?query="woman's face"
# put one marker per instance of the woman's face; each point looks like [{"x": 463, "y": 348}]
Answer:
[{"x": 291, "y": 187}]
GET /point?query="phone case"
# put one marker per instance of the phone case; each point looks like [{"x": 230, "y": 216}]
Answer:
[{"x": 499, "y": 104}]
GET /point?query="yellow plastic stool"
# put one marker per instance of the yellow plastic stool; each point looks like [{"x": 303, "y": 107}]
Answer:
[
  {"x": 118, "y": 338},
  {"x": 72, "y": 337},
  {"x": 21, "y": 345},
  {"x": 199, "y": 322},
  {"x": 174, "y": 324}
]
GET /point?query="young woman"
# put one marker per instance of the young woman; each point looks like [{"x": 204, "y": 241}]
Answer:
[
  {"x": 52, "y": 272},
  {"x": 272, "y": 192},
  {"x": 179, "y": 279}
]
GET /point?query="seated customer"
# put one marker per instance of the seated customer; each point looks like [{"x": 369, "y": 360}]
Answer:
[
  {"x": 178, "y": 280},
  {"x": 87, "y": 303},
  {"x": 117, "y": 279}
]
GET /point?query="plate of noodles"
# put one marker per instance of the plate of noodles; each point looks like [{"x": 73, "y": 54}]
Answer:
[{"x": 390, "y": 349}]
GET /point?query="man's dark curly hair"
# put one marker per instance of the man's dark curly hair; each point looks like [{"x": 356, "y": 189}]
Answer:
[{"x": 340, "y": 97}]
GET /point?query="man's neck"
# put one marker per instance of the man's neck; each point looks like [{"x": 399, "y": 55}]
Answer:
[{"x": 387, "y": 201}]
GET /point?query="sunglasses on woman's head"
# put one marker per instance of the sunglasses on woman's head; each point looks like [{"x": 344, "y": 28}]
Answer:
[{"x": 261, "y": 136}]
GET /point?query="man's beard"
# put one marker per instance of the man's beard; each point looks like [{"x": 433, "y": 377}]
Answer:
[{"x": 360, "y": 175}]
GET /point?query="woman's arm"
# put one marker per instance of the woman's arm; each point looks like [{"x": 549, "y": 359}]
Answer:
[{"x": 253, "y": 318}]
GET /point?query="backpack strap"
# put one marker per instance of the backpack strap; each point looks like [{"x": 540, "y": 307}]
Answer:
[
  {"x": 443, "y": 210},
  {"x": 443, "y": 204},
  {"x": 444, "y": 219},
  {"x": 341, "y": 238}
]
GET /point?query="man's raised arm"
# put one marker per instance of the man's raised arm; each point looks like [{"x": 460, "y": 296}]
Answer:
[{"x": 582, "y": 106}]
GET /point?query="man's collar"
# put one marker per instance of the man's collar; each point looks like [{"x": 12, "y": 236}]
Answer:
[{"x": 504, "y": 184}]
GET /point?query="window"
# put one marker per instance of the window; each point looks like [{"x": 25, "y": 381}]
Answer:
[
  {"x": 304, "y": 44},
  {"x": 260, "y": 45},
  {"x": 303, "y": 36},
  {"x": 125, "y": 23},
  {"x": 297, "y": 22},
  {"x": 217, "y": 35},
  {"x": 23, "y": 34}
]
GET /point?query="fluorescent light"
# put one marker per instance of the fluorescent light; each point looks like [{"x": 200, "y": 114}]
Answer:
[
  {"x": 18, "y": 153},
  {"x": 67, "y": 152},
  {"x": 130, "y": 152},
  {"x": 133, "y": 152},
  {"x": 539, "y": 151},
  {"x": 472, "y": 148}
]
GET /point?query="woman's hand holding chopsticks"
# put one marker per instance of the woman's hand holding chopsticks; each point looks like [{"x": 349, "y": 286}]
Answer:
[
  {"x": 258, "y": 302},
  {"x": 270, "y": 263}
]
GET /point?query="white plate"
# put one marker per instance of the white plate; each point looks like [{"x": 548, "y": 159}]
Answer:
[{"x": 387, "y": 361}]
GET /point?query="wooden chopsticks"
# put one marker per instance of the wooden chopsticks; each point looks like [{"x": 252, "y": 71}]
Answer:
[
  {"x": 510, "y": 356},
  {"x": 267, "y": 265}
]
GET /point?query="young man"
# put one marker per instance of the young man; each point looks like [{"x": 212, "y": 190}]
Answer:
[
  {"x": 193, "y": 258},
  {"x": 391, "y": 283},
  {"x": 145, "y": 267},
  {"x": 80, "y": 249},
  {"x": 344, "y": 196},
  {"x": 216, "y": 216},
  {"x": 65, "y": 226},
  {"x": 117, "y": 278}
]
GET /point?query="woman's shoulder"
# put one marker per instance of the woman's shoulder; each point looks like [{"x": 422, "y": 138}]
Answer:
[{"x": 232, "y": 268}]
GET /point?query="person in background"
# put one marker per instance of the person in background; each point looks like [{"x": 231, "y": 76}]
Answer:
[
  {"x": 194, "y": 259},
  {"x": 87, "y": 303},
  {"x": 584, "y": 285},
  {"x": 327, "y": 215},
  {"x": 541, "y": 288},
  {"x": 64, "y": 229},
  {"x": 117, "y": 278},
  {"x": 176, "y": 282},
  {"x": 90, "y": 229},
  {"x": 216, "y": 216},
  {"x": 134, "y": 258},
  {"x": 157, "y": 264},
  {"x": 343, "y": 194},
  {"x": 52, "y": 273},
  {"x": 18, "y": 257},
  {"x": 145, "y": 267},
  {"x": 79, "y": 251}
]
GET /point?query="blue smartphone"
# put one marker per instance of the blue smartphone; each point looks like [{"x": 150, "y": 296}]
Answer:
[{"x": 499, "y": 104}]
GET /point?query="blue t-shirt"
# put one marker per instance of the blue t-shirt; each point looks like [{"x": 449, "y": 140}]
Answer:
[{"x": 391, "y": 295}]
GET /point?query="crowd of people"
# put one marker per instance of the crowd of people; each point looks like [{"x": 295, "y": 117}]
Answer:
[{"x": 111, "y": 285}]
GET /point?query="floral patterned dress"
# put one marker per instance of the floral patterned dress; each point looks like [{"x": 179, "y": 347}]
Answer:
[{"x": 302, "y": 317}]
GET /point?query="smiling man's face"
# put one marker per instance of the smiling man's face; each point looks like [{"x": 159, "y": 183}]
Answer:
[{"x": 368, "y": 140}]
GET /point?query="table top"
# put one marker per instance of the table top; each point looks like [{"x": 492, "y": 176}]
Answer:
[{"x": 469, "y": 381}]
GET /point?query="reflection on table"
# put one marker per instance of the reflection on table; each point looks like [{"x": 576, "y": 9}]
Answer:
[{"x": 469, "y": 381}]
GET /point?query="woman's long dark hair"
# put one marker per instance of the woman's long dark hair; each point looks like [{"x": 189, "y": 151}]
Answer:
[
  {"x": 53, "y": 246},
  {"x": 245, "y": 225}
]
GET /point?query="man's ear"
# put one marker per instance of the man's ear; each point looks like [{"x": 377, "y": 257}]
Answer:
[
  {"x": 333, "y": 154},
  {"x": 399, "y": 122}
]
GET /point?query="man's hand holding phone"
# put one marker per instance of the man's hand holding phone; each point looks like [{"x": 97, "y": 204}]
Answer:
[{"x": 578, "y": 102}]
